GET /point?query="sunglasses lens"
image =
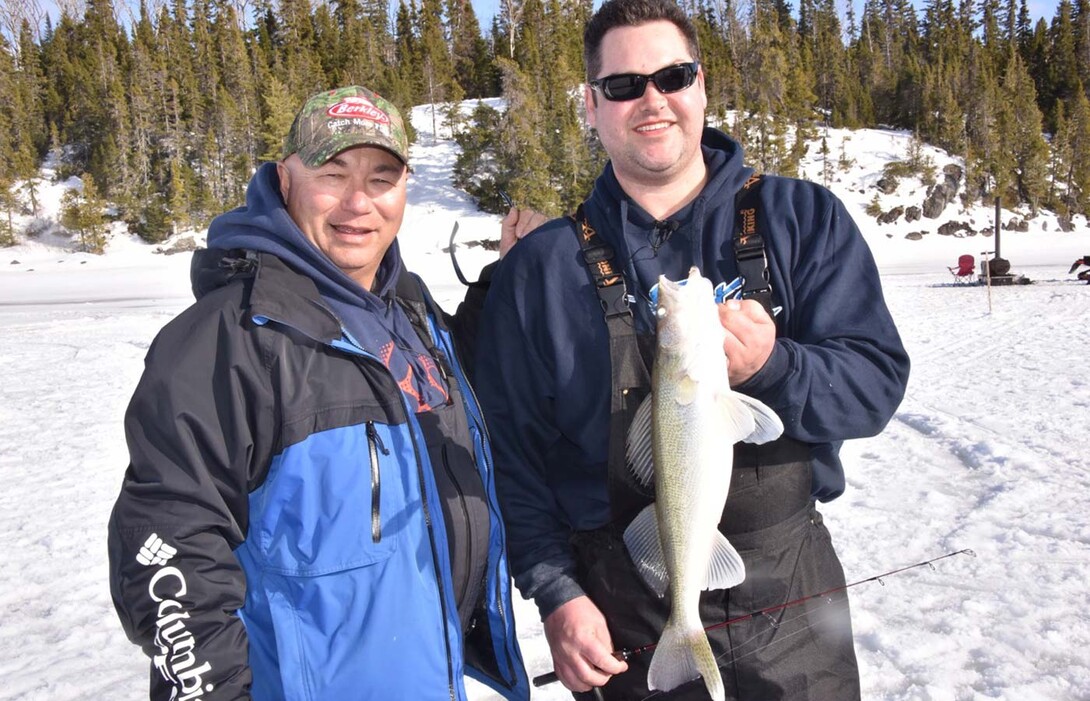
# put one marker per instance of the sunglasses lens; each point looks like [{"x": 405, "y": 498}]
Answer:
[
  {"x": 624, "y": 87},
  {"x": 674, "y": 78}
]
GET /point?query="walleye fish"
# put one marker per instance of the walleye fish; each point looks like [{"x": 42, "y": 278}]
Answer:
[{"x": 683, "y": 437}]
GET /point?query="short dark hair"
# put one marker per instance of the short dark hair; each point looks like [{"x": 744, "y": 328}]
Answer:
[{"x": 632, "y": 13}]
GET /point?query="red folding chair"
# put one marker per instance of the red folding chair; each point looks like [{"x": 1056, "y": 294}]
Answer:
[{"x": 965, "y": 271}]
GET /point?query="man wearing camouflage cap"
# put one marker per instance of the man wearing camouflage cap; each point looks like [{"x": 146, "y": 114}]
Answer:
[{"x": 307, "y": 511}]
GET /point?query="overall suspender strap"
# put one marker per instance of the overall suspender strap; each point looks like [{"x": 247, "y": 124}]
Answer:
[
  {"x": 749, "y": 245},
  {"x": 630, "y": 375}
]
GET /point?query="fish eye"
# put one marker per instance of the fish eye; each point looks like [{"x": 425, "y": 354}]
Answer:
[{"x": 661, "y": 312}]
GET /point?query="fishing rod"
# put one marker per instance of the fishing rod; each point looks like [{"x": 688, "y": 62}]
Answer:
[{"x": 626, "y": 654}]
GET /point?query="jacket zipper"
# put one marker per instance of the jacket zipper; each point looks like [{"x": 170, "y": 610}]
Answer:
[
  {"x": 374, "y": 444},
  {"x": 435, "y": 563}
]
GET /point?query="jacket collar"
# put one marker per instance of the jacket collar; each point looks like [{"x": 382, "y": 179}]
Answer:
[
  {"x": 281, "y": 294},
  {"x": 276, "y": 291}
]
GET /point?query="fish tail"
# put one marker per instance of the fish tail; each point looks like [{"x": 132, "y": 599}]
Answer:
[{"x": 682, "y": 654}]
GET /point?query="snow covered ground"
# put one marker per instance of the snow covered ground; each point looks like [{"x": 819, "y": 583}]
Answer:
[{"x": 990, "y": 451}]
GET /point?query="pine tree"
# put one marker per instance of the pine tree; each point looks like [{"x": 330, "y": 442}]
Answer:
[
  {"x": 478, "y": 168},
  {"x": 404, "y": 88},
  {"x": 832, "y": 85},
  {"x": 1020, "y": 124},
  {"x": 9, "y": 204},
  {"x": 279, "y": 112},
  {"x": 1036, "y": 61},
  {"x": 714, "y": 22},
  {"x": 145, "y": 82},
  {"x": 30, "y": 122},
  {"x": 942, "y": 119},
  {"x": 82, "y": 213},
  {"x": 765, "y": 87},
  {"x": 1063, "y": 66},
  {"x": 1059, "y": 166},
  {"x": 1081, "y": 22},
  {"x": 1077, "y": 139},
  {"x": 982, "y": 140},
  {"x": 237, "y": 99},
  {"x": 295, "y": 42},
  {"x": 525, "y": 161},
  {"x": 439, "y": 82},
  {"x": 469, "y": 50},
  {"x": 98, "y": 106}
]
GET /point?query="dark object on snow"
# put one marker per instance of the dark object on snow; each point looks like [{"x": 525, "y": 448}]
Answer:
[
  {"x": 942, "y": 194},
  {"x": 912, "y": 213},
  {"x": 999, "y": 266},
  {"x": 1084, "y": 274},
  {"x": 887, "y": 185},
  {"x": 954, "y": 228},
  {"x": 997, "y": 271},
  {"x": 890, "y": 216},
  {"x": 183, "y": 245}
]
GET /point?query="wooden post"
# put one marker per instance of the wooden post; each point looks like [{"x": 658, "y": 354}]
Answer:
[{"x": 988, "y": 272}]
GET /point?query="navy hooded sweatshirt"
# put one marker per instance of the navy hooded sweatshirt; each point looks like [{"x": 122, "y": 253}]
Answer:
[
  {"x": 838, "y": 369},
  {"x": 371, "y": 317}
]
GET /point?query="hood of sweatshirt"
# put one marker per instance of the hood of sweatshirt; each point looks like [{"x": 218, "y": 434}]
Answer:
[
  {"x": 647, "y": 247},
  {"x": 370, "y": 318}
]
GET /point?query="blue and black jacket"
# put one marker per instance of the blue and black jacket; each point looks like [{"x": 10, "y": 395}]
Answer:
[
  {"x": 292, "y": 524},
  {"x": 838, "y": 369}
]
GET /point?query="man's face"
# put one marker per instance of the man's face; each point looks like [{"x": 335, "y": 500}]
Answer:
[
  {"x": 654, "y": 139},
  {"x": 350, "y": 207}
]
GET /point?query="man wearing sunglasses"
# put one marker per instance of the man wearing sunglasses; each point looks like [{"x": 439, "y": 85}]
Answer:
[{"x": 562, "y": 363}]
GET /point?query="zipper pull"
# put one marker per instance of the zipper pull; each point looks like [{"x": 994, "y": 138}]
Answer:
[
  {"x": 372, "y": 436},
  {"x": 374, "y": 444}
]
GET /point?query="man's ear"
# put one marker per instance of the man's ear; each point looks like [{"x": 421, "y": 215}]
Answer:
[
  {"x": 591, "y": 101},
  {"x": 284, "y": 173}
]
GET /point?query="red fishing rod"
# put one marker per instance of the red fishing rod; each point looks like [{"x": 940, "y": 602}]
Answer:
[{"x": 626, "y": 654}]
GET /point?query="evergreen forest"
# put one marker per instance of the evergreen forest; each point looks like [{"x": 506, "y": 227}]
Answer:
[{"x": 166, "y": 108}]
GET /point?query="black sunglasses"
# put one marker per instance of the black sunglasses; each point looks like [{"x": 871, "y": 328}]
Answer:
[{"x": 629, "y": 86}]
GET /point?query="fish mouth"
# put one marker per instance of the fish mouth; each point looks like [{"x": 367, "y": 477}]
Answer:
[{"x": 672, "y": 285}]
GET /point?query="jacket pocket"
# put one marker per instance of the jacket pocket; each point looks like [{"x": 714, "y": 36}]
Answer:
[{"x": 328, "y": 501}]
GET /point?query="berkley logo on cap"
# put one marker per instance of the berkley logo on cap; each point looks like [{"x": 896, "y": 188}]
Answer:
[{"x": 355, "y": 106}]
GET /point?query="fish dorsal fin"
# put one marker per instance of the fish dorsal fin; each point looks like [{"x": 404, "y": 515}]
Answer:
[
  {"x": 640, "y": 458},
  {"x": 642, "y": 540},
  {"x": 725, "y": 567},
  {"x": 767, "y": 425}
]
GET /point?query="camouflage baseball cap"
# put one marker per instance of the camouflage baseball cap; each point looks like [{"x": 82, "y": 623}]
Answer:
[{"x": 335, "y": 120}]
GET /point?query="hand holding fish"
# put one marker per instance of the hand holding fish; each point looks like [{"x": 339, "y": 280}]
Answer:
[
  {"x": 581, "y": 645},
  {"x": 750, "y": 337}
]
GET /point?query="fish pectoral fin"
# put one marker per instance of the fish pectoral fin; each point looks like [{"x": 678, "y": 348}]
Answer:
[
  {"x": 640, "y": 457},
  {"x": 642, "y": 540},
  {"x": 737, "y": 416},
  {"x": 725, "y": 567},
  {"x": 767, "y": 425}
]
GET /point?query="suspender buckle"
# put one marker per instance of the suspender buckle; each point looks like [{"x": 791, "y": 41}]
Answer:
[{"x": 614, "y": 299}]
